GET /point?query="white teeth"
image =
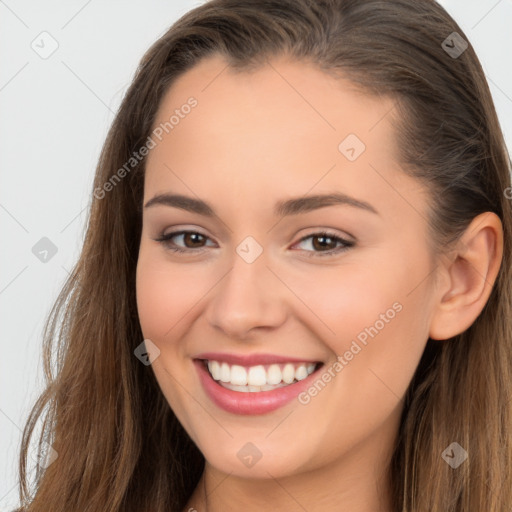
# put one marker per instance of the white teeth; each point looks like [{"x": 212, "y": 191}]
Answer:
[
  {"x": 238, "y": 375},
  {"x": 301, "y": 373},
  {"x": 288, "y": 373},
  {"x": 247, "y": 389},
  {"x": 235, "y": 388},
  {"x": 268, "y": 387},
  {"x": 225, "y": 373},
  {"x": 214, "y": 368},
  {"x": 274, "y": 375},
  {"x": 257, "y": 378}
]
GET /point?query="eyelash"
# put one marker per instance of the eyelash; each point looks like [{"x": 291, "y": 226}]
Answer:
[{"x": 165, "y": 240}]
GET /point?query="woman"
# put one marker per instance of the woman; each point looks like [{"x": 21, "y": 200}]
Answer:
[{"x": 294, "y": 290}]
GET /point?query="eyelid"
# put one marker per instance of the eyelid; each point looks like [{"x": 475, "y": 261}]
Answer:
[
  {"x": 180, "y": 230},
  {"x": 319, "y": 232},
  {"x": 165, "y": 238},
  {"x": 346, "y": 237},
  {"x": 314, "y": 231}
]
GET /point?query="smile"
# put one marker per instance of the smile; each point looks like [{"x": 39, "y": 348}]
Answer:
[
  {"x": 253, "y": 385},
  {"x": 260, "y": 377}
]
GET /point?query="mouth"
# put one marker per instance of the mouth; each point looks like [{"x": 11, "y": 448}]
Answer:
[
  {"x": 254, "y": 384},
  {"x": 258, "y": 378}
]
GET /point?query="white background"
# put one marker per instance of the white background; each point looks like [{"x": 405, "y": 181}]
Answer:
[{"x": 55, "y": 114}]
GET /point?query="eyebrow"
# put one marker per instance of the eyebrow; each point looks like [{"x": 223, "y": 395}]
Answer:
[{"x": 284, "y": 208}]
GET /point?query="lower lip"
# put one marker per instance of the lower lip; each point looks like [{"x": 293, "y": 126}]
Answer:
[{"x": 250, "y": 403}]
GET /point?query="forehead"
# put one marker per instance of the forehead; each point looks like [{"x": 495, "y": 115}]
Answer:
[
  {"x": 273, "y": 96},
  {"x": 285, "y": 126}
]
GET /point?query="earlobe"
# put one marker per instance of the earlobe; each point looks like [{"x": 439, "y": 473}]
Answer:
[{"x": 470, "y": 275}]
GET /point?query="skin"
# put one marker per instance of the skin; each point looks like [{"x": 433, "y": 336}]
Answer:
[{"x": 252, "y": 140}]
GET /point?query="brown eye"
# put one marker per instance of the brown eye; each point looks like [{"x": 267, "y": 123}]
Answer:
[
  {"x": 326, "y": 244},
  {"x": 194, "y": 238},
  {"x": 190, "y": 239},
  {"x": 323, "y": 244}
]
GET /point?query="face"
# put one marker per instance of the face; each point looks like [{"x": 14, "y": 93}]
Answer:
[{"x": 341, "y": 289}]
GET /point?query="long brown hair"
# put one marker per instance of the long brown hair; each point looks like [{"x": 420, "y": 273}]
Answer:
[{"x": 119, "y": 445}]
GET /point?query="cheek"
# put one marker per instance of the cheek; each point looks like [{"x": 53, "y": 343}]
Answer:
[
  {"x": 153, "y": 300},
  {"x": 381, "y": 325},
  {"x": 379, "y": 314},
  {"x": 165, "y": 295},
  {"x": 342, "y": 300},
  {"x": 373, "y": 311}
]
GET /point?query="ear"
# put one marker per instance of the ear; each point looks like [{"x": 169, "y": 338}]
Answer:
[{"x": 467, "y": 277}]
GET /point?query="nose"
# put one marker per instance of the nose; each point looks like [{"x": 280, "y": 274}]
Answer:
[{"x": 247, "y": 300}]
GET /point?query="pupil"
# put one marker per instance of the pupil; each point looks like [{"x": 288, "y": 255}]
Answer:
[
  {"x": 323, "y": 238},
  {"x": 194, "y": 235}
]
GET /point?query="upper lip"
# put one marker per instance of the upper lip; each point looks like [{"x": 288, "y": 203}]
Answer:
[{"x": 252, "y": 359}]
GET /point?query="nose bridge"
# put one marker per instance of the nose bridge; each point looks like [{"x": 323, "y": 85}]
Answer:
[{"x": 248, "y": 295}]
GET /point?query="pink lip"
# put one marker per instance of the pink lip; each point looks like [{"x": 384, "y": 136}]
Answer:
[
  {"x": 250, "y": 403},
  {"x": 252, "y": 359}
]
